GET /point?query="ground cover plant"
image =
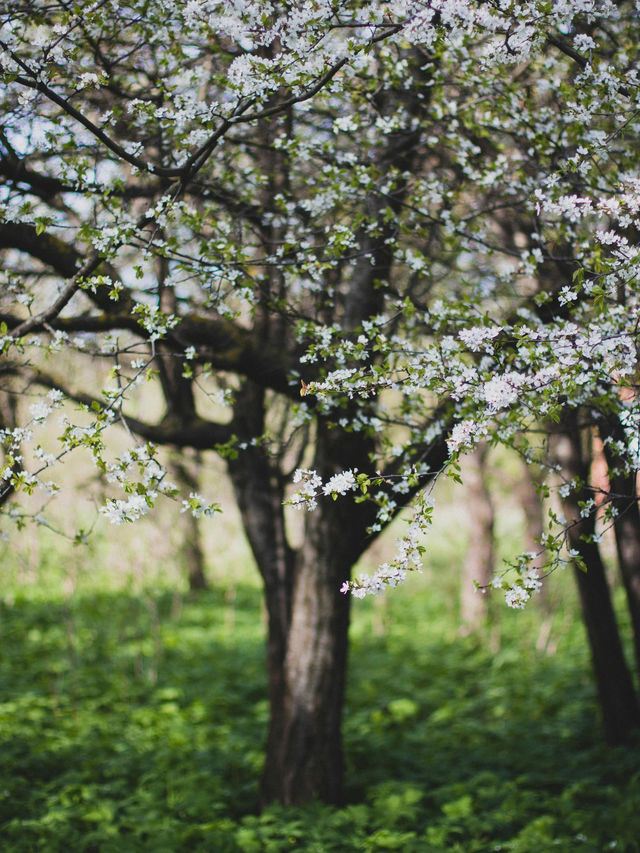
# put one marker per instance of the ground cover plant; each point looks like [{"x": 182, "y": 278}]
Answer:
[{"x": 135, "y": 720}]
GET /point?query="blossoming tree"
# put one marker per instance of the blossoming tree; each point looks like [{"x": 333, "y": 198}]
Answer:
[{"x": 346, "y": 241}]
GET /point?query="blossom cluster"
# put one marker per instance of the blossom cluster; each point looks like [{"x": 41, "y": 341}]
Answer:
[
  {"x": 519, "y": 592},
  {"x": 199, "y": 506},
  {"x": 311, "y": 486},
  {"x": 408, "y": 557}
]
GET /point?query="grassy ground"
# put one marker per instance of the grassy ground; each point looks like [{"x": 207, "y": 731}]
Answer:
[{"x": 133, "y": 720}]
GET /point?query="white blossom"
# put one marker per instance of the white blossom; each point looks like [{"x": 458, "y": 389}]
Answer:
[
  {"x": 476, "y": 336},
  {"x": 310, "y": 486},
  {"x": 517, "y": 597},
  {"x": 120, "y": 511},
  {"x": 502, "y": 391},
  {"x": 40, "y": 411},
  {"x": 199, "y": 506},
  {"x": 340, "y": 483}
]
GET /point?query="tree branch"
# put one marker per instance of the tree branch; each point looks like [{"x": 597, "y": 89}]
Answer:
[
  {"x": 199, "y": 433},
  {"x": 40, "y": 320}
]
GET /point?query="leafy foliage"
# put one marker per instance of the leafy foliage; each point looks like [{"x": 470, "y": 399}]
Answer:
[{"x": 131, "y": 723}]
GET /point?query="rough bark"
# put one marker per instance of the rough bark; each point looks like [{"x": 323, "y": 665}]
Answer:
[
  {"x": 308, "y": 622},
  {"x": 305, "y": 761},
  {"x": 618, "y": 702},
  {"x": 479, "y": 559},
  {"x": 308, "y": 617}
]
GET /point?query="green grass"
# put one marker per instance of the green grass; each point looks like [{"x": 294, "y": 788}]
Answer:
[{"x": 135, "y": 722}]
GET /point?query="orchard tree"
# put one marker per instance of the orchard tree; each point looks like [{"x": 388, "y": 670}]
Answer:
[
  {"x": 541, "y": 353},
  {"x": 346, "y": 241},
  {"x": 173, "y": 203}
]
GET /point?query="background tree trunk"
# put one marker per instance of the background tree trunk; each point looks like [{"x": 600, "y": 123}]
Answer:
[
  {"x": 623, "y": 487},
  {"x": 618, "y": 702},
  {"x": 190, "y": 549},
  {"x": 533, "y": 510},
  {"x": 479, "y": 559}
]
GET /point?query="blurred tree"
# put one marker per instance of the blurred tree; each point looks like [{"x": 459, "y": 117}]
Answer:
[
  {"x": 478, "y": 567},
  {"x": 615, "y": 688},
  {"x": 191, "y": 552},
  {"x": 528, "y": 489}
]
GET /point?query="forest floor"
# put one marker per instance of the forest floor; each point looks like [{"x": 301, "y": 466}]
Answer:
[{"x": 135, "y": 721}]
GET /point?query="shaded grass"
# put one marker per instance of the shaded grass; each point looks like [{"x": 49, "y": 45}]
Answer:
[{"x": 136, "y": 722}]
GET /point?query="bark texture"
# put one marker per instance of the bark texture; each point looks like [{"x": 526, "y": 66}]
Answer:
[
  {"x": 308, "y": 621},
  {"x": 308, "y": 616}
]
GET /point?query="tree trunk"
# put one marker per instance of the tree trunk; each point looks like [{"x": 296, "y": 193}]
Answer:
[
  {"x": 304, "y": 754},
  {"x": 479, "y": 559},
  {"x": 616, "y": 695},
  {"x": 308, "y": 623},
  {"x": 308, "y": 616},
  {"x": 533, "y": 510},
  {"x": 193, "y": 555},
  {"x": 191, "y": 551},
  {"x": 622, "y": 484},
  {"x": 260, "y": 497}
]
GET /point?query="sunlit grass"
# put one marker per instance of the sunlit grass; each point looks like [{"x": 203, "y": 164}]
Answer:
[{"x": 133, "y": 717}]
